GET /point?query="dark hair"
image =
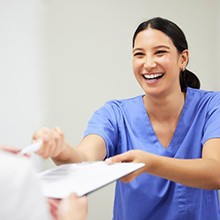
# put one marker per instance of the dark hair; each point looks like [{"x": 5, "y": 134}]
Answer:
[{"x": 187, "y": 78}]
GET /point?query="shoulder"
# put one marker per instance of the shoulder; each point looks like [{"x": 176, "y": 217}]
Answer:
[
  {"x": 203, "y": 101},
  {"x": 12, "y": 162},
  {"x": 123, "y": 103},
  {"x": 204, "y": 95},
  {"x": 18, "y": 181},
  {"x": 18, "y": 168},
  {"x": 118, "y": 107}
]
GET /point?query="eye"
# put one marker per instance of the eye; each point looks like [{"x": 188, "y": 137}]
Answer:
[
  {"x": 161, "y": 52},
  {"x": 138, "y": 54}
]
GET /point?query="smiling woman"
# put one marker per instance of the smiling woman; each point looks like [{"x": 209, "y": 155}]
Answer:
[
  {"x": 166, "y": 40},
  {"x": 174, "y": 128}
]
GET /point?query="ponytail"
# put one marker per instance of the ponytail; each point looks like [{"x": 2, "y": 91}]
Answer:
[{"x": 188, "y": 79}]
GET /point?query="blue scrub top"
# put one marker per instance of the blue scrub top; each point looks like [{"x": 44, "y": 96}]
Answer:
[{"x": 125, "y": 125}]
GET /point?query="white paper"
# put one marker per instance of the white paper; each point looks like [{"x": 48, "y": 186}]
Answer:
[{"x": 82, "y": 178}]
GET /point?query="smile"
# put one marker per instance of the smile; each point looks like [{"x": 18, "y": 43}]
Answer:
[{"x": 153, "y": 76}]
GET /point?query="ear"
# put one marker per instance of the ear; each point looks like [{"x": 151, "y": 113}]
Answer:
[{"x": 184, "y": 59}]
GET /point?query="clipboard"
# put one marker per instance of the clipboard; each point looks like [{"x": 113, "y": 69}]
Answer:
[{"x": 82, "y": 178}]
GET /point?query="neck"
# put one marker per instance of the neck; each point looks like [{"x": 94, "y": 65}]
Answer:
[{"x": 165, "y": 108}]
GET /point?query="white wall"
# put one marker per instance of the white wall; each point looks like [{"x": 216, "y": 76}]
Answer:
[
  {"x": 62, "y": 59},
  {"x": 218, "y": 46},
  {"x": 21, "y": 69}
]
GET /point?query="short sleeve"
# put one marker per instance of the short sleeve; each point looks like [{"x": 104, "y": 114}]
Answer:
[
  {"x": 212, "y": 125},
  {"x": 104, "y": 123}
]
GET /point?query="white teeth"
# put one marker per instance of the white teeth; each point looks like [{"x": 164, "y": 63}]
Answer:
[{"x": 152, "y": 76}]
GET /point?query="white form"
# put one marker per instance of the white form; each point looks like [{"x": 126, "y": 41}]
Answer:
[{"x": 82, "y": 178}]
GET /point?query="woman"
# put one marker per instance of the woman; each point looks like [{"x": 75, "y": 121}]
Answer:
[{"x": 174, "y": 128}]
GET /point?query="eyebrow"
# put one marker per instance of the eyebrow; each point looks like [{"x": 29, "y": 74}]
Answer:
[
  {"x": 157, "y": 47},
  {"x": 137, "y": 49}
]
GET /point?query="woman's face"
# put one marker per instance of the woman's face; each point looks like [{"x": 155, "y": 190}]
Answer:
[{"x": 157, "y": 63}]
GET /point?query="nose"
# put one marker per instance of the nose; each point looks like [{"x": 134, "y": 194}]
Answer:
[{"x": 149, "y": 63}]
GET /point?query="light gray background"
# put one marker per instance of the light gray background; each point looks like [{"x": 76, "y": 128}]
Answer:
[{"x": 62, "y": 59}]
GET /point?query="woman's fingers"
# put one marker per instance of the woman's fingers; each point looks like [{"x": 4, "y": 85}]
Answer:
[
  {"x": 53, "y": 141},
  {"x": 129, "y": 156},
  {"x": 124, "y": 157}
]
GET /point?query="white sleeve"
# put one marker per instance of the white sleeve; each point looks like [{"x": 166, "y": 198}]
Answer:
[{"x": 20, "y": 194}]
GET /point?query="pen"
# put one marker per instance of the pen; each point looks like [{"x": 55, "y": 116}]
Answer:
[{"x": 31, "y": 148}]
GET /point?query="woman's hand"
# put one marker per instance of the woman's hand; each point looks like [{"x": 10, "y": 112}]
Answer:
[
  {"x": 53, "y": 141},
  {"x": 137, "y": 156}
]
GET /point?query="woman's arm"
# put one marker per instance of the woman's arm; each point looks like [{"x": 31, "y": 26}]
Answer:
[
  {"x": 201, "y": 173},
  {"x": 91, "y": 148}
]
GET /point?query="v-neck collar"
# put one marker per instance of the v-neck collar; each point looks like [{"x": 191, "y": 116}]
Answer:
[{"x": 178, "y": 133}]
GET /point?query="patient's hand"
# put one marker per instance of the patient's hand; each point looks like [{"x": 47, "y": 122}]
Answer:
[
  {"x": 73, "y": 207},
  {"x": 12, "y": 150},
  {"x": 53, "y": 205}
]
